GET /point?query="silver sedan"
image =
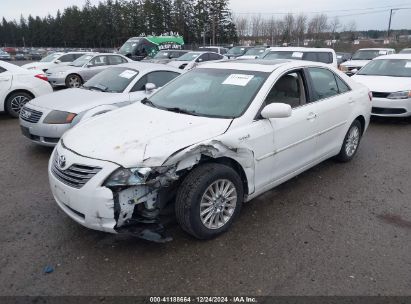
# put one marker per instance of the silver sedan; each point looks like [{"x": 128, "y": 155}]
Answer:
[
  {"x": 45, "y": 119},
  {"x": 82, "y": 69}
]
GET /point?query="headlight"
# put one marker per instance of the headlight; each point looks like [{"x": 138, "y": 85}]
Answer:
[
  {"x": 400, "y": 95},
  {"x": 59, "y": 117},
  {"x": 128, "y": 177}
]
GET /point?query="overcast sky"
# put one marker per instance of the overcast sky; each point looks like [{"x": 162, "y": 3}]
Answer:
[{"x": 367, "y": 14}]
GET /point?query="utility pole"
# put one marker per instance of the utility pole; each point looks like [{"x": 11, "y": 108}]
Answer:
[
  {"x": 389, "y": 24},
  {"x": 391, "y": 13}
]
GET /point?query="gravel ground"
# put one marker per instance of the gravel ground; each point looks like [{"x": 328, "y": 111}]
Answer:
[{"x": 337, "y": 229}]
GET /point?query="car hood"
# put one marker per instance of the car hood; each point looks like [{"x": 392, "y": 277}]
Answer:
[
  {"x": 139, "y": 135},
  {"x": 384, "y": 84},
  {"x": 356, "y": 63},
  {"x": 77, "y": 100},
  {"x": 64, "y": 68}
]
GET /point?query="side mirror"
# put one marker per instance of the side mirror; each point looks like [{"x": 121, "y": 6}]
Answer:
[
  {"x": 276, "y": 110},
  {"x": 354, "y": 71},
  {"x": 150, "y": 87},
  {"x": 89, "y": 65},
  {"x": 57, "y": 61},
  {"x": 199, "y": 60}
]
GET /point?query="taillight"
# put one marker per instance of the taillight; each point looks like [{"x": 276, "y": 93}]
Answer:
[
  {"x": 370, "y": 95},
  {"x": 42, "y": 77}
]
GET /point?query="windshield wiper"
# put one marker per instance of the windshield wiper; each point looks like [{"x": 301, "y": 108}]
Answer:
[
  {"x": 181, "y": 111},
  {"x": 147, "y": 101}
]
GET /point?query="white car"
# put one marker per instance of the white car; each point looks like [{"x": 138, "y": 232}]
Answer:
[
  {"x": 324, "y": 55},
  {"x": 192, "y": 59},
  {"x": 44, "y": 120},
  {"x": 389, "y": 79},
  {"x": 53, "y": 60},
  {"x": 361, "y": 58},
  {"x": 213, "y": 138},
  {"x": 18, "y": 86}
]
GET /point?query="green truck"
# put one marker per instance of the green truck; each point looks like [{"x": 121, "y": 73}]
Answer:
[{"x": 138, "y": 48}]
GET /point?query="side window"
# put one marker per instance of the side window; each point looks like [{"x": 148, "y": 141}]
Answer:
[
  {"x": 113, "y": 60},
  {"x": 289, "y": 89},
  {"x": 215, "y": 56},
  {"x": 2, "y": 70},
  {"x": 123, "y": 60},
  {"x": 324, "y": 57},
  {"x": 342, "y": 86},
  {"x": 323, "y": 83},
  {"x": 67, "y": 58},
  {"x": 140, "y": 84},
  {"x": 160, "y": 79},
  {"x": 205, "y": 57},
  {"x": 99, "y": 61}
]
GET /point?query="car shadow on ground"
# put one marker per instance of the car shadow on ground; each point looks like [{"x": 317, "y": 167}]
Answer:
[{"x": 397, "y": 121}]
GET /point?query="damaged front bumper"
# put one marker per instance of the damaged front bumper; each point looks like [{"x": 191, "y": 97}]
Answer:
[{"x": 133, "y": 210}]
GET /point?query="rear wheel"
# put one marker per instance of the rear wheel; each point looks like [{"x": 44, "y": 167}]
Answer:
[
  {"x": 208, "y": 200},
  {"x": 16, "y": 101},
  {"x": 73, "y": 81},
  {"x": 351, "y": 142}
]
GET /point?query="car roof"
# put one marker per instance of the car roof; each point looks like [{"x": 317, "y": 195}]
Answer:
[
  {"x": 300, "y": 49},
  {"x": 395, "y": 56},
  {"x": 376, "y": 49},
  {"x": 147, "y": 66},
  {"x": 267, "y": 66}
]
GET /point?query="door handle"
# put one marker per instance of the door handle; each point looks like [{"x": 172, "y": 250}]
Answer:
[
  {"x": 311, "y": 116},
  {"x": 351, "y": 100}
]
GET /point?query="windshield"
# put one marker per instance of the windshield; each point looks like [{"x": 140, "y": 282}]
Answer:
[
  {"x": 388, "y": 67},
  {"x": 406, "y": 51},
  {"x": 283, "y": 55},
  {"x": 50, "y": 58},
  {"x": 113, "y": 80},
  {"x": 367, "y": 54},
  {"x": 255, "y": 52},
  {"x": 189, "y": 56},
  {"x": 238, "y": 50},
  {"x": 167, "y": 55},
  {"x": 79, "y": 62},
  {"x": 129, "y": 47},
  {"x": 211, "y": 92}
]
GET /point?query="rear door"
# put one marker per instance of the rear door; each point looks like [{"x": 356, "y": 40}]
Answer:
[
  {"x": 5, "y": 84},
  {"x": 334, "y": 100}
]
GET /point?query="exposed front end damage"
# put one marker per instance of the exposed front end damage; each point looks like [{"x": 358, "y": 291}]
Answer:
[{"x": 139, "y": 207}]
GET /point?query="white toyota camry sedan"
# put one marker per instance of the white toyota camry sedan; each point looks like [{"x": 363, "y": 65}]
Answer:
[
  {"x": 389, "y": 79},
  {"x": 212, "y": 139}
]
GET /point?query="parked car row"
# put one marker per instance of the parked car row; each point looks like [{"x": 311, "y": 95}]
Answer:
[{"x": 201, "y": 133}]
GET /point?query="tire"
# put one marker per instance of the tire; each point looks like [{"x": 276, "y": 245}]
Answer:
[
  {"x": 193, "y": 192},
  {"x": 74, "y": 81},
  {"x": 351, "y": 142},
  {"x": 15, "y": 103}
]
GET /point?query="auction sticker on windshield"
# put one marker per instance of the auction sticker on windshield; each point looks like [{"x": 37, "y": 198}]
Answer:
[
  {"x": 238, "y": 79},
  {"x": 128, "y": 74},
  {"x": 297, "y": 55}
]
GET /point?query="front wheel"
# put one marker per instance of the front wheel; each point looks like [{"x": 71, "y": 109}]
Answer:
[
  {"x": 15, "y": 102},
  {"x": 73, "y": 81},
  {"x": 208, "y": 200},
  {"x": 351, "y": 142}
]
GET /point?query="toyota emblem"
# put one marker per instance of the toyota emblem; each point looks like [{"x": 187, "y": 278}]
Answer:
[{"x": 62, "y": 161}]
